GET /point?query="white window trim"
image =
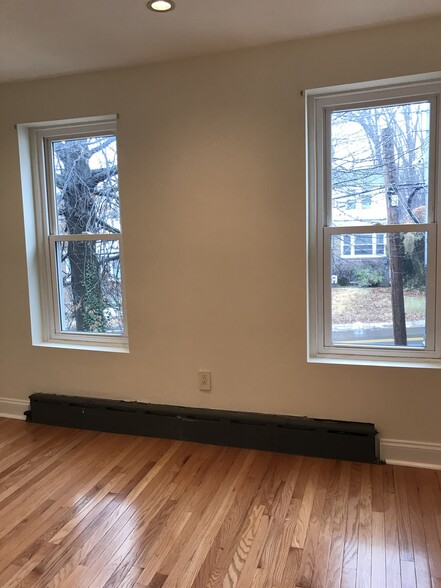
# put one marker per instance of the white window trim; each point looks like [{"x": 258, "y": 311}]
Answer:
[
  {"x": 319, "y": 230},
  {"x": 38, "y": 207}
]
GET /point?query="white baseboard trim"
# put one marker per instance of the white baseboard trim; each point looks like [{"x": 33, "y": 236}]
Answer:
[
  {"x": 11, "y": 408},
  {"x": 411, "y": 453}
]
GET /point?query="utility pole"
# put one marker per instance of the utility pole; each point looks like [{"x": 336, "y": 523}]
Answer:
[{"x": 395, "y": 259}]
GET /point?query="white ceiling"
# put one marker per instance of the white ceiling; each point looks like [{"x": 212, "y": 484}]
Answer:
[{"x": 50, "y": 37}]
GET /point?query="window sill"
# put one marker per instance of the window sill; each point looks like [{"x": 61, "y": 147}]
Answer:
[
  {"x": 377, "y": 362},
  {"x": 83, "y": 346}
]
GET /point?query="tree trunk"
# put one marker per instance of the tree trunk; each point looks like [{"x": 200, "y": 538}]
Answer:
[
  {"x": 86, "y": 287},
  {"x": 394, "y": 242}
]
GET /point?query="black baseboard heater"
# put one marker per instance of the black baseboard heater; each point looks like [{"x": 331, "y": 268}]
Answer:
[{"x": 286, "y": 434}]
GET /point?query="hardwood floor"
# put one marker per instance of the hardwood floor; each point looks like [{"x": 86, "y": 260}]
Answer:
[{"x": 80, "y": 509}]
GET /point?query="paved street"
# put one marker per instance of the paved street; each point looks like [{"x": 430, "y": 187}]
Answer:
[{"x": 378, "y": 336}]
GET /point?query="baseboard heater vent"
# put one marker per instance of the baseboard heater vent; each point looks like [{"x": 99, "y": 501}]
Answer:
[{"x": 286, "y": 434}]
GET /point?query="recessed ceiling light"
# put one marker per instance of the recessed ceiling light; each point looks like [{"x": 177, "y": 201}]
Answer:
[{"x": 161, "y": 5}]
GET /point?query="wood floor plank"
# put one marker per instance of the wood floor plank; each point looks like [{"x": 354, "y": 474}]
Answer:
[
  {"x": 404, "y": 527},
  {"x": 278, "y": 512},
  {"x": 428, "y": 501},
  {"x": 80, "y": 509},
  {"x": 364, "y": 554},
  {"x": 57, "y": 570},
  {"x": 199, "y": 503},
  {"x": 122, "y": 558},
  {"x": 292, "y": 567},
  {"x": 352, "y": 522},
  {"x": 27, "y": 471},
  {"x": 388, "y": 479},
  {"x": 349, "y": 578},
  {"x": 47, "y": 559},
  {"x": 149, "y": 521},
  {"x": 248, "y": 574},
  {"x": 73, "y": 499},
  {"x": 31, "y": 532},
  {"x": 422, "y": 570},
  {"x": 378, "y": 562},
  {"x": 248, "y": 537},
  {"x": 325, "y": 537},
  {"x": 393, "y": 568},
  {"x": 228, "y": 540},
  {"x": 279, "y": 566},
  {"x": 309, "y": 553},
  {"x": 377, "y": 490},
  {"x": 191, "y": 559},
  {"x": 408, "y": 574},
  {"x": 25, "y": 501},
  {"x": 300, "y": 532},
  {"x": 438, "y": 475},
  {"x": 335, "y": 562},
  {"x": 24, "y": 452}
]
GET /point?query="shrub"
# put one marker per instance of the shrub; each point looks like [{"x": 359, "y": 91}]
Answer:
[
  {"x": 343, "y": 281},
  {"x": 369, "y": 277}
]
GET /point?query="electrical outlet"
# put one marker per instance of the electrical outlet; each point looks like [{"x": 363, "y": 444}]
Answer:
[{"x": 204, "y": 378}]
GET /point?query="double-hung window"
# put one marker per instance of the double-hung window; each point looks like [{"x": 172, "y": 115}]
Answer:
[
  {"x": 374, "y": 271},
  {"x": 76, "y": 295}
]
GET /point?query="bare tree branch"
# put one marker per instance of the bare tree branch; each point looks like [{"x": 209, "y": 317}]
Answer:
[{"x": 99, "y": 175}]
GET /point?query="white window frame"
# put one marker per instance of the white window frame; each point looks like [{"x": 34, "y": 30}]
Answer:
[
  {"x": 319, "y": 104},
  {"x": 35, "y": 141}
]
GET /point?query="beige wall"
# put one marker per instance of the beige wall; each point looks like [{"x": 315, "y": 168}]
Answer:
[{"x": 212, "y": 176}]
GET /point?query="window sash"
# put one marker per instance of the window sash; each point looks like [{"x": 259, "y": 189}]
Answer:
[
  {"x": 371, "y": 100},
  {"x": 56, "y": 286},
  {"x": 50, "y": 138},
  {"x": 328, "y": 346}
]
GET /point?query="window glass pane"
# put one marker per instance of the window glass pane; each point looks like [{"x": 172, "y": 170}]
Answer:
[
  {"x": 89, "y": 286},
  {"x": 380, "y": 301},
  {"x": 350, "y": 203},
  {"x": 366, "y": 201},
  {"x": 380, "y": 164},
  {"x": 347, "y": 245},
  {"x": 380, "y": 248},
  {"x": 86, "y": 185},
  {"x": 363, "y": 244}
]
